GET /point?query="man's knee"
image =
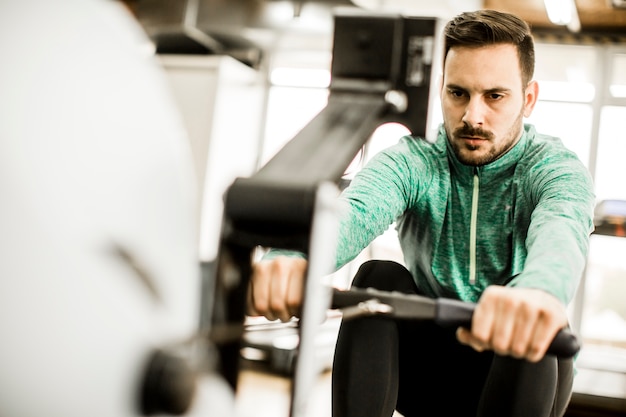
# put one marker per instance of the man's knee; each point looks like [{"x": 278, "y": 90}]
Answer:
[{"x": 384, "y": 276}]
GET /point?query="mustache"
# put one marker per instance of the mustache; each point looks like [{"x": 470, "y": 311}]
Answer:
[{"x": 467, "y": 130}]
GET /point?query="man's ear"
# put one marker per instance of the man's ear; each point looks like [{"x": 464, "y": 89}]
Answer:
[{"x": 530, "y": 97}]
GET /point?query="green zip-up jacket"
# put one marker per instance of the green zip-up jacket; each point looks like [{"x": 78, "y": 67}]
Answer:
[{"x": 523, "y": 220}]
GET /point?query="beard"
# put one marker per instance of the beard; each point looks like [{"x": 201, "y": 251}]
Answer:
[{"x": 490, "y": 149}]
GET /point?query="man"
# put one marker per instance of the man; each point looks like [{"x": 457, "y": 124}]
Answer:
[{"x": 492, "y": 212}]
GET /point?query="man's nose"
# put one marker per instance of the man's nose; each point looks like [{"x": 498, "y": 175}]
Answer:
[{"x": 475, "y": 112}]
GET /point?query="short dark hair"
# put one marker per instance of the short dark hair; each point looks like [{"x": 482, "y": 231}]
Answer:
[{"x": 489, "y": 27}]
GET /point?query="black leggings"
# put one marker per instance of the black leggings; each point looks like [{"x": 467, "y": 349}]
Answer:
[{"x": 420, "y": 369}]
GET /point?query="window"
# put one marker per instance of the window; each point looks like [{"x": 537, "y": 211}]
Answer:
[
  {"x": 288, "y": 110},
  {"x": 617, "y": 85},
  {"x": 610, "y": 168},
  {"x": 599, "y": 308},
  {"x": 555, "y": 119},
  {"x": 566, "y": 75},
  {"x": 298, "y": 83}
]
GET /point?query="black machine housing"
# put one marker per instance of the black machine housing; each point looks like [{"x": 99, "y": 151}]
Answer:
[{"x": 384, "y": 69}]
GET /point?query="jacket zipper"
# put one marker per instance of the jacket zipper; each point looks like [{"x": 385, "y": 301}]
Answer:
[{"x": 473, "y": 222}]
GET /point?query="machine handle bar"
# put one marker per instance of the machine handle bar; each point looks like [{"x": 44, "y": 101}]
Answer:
[{"x": 445, "y": 312}]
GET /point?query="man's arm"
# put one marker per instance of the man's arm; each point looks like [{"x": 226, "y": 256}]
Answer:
[
  {"x": 558, "y": 235},
  {"x": 522, "y": 318}
]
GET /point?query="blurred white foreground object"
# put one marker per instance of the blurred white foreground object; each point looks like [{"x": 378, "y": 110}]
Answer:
[{"x": 98, "y": 227}]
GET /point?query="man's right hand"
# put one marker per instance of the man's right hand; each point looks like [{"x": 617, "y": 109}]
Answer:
[{"x": 276, "y": 288}]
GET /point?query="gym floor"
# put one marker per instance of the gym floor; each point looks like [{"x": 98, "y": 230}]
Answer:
[{"x": 267, "y": 394}]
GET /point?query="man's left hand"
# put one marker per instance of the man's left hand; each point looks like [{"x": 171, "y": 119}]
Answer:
[{"x": 520, "y": 322}]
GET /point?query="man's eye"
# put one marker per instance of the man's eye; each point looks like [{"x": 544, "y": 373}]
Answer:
[
  {"x": 495, "y": 96},
  {"x": 457, "y": 93}
]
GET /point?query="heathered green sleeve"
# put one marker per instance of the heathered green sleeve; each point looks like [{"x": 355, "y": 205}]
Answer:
[
  {"x": 378, "y": 195},
  {"x": 557, "y": 241}
]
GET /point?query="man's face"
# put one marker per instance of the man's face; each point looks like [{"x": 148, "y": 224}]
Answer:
[{"x": 484, "y": 102}]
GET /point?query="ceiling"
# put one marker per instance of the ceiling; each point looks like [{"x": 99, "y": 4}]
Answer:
[
  {"x": 267, "y": 23},
  {"x": 595, "y": 15}
]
